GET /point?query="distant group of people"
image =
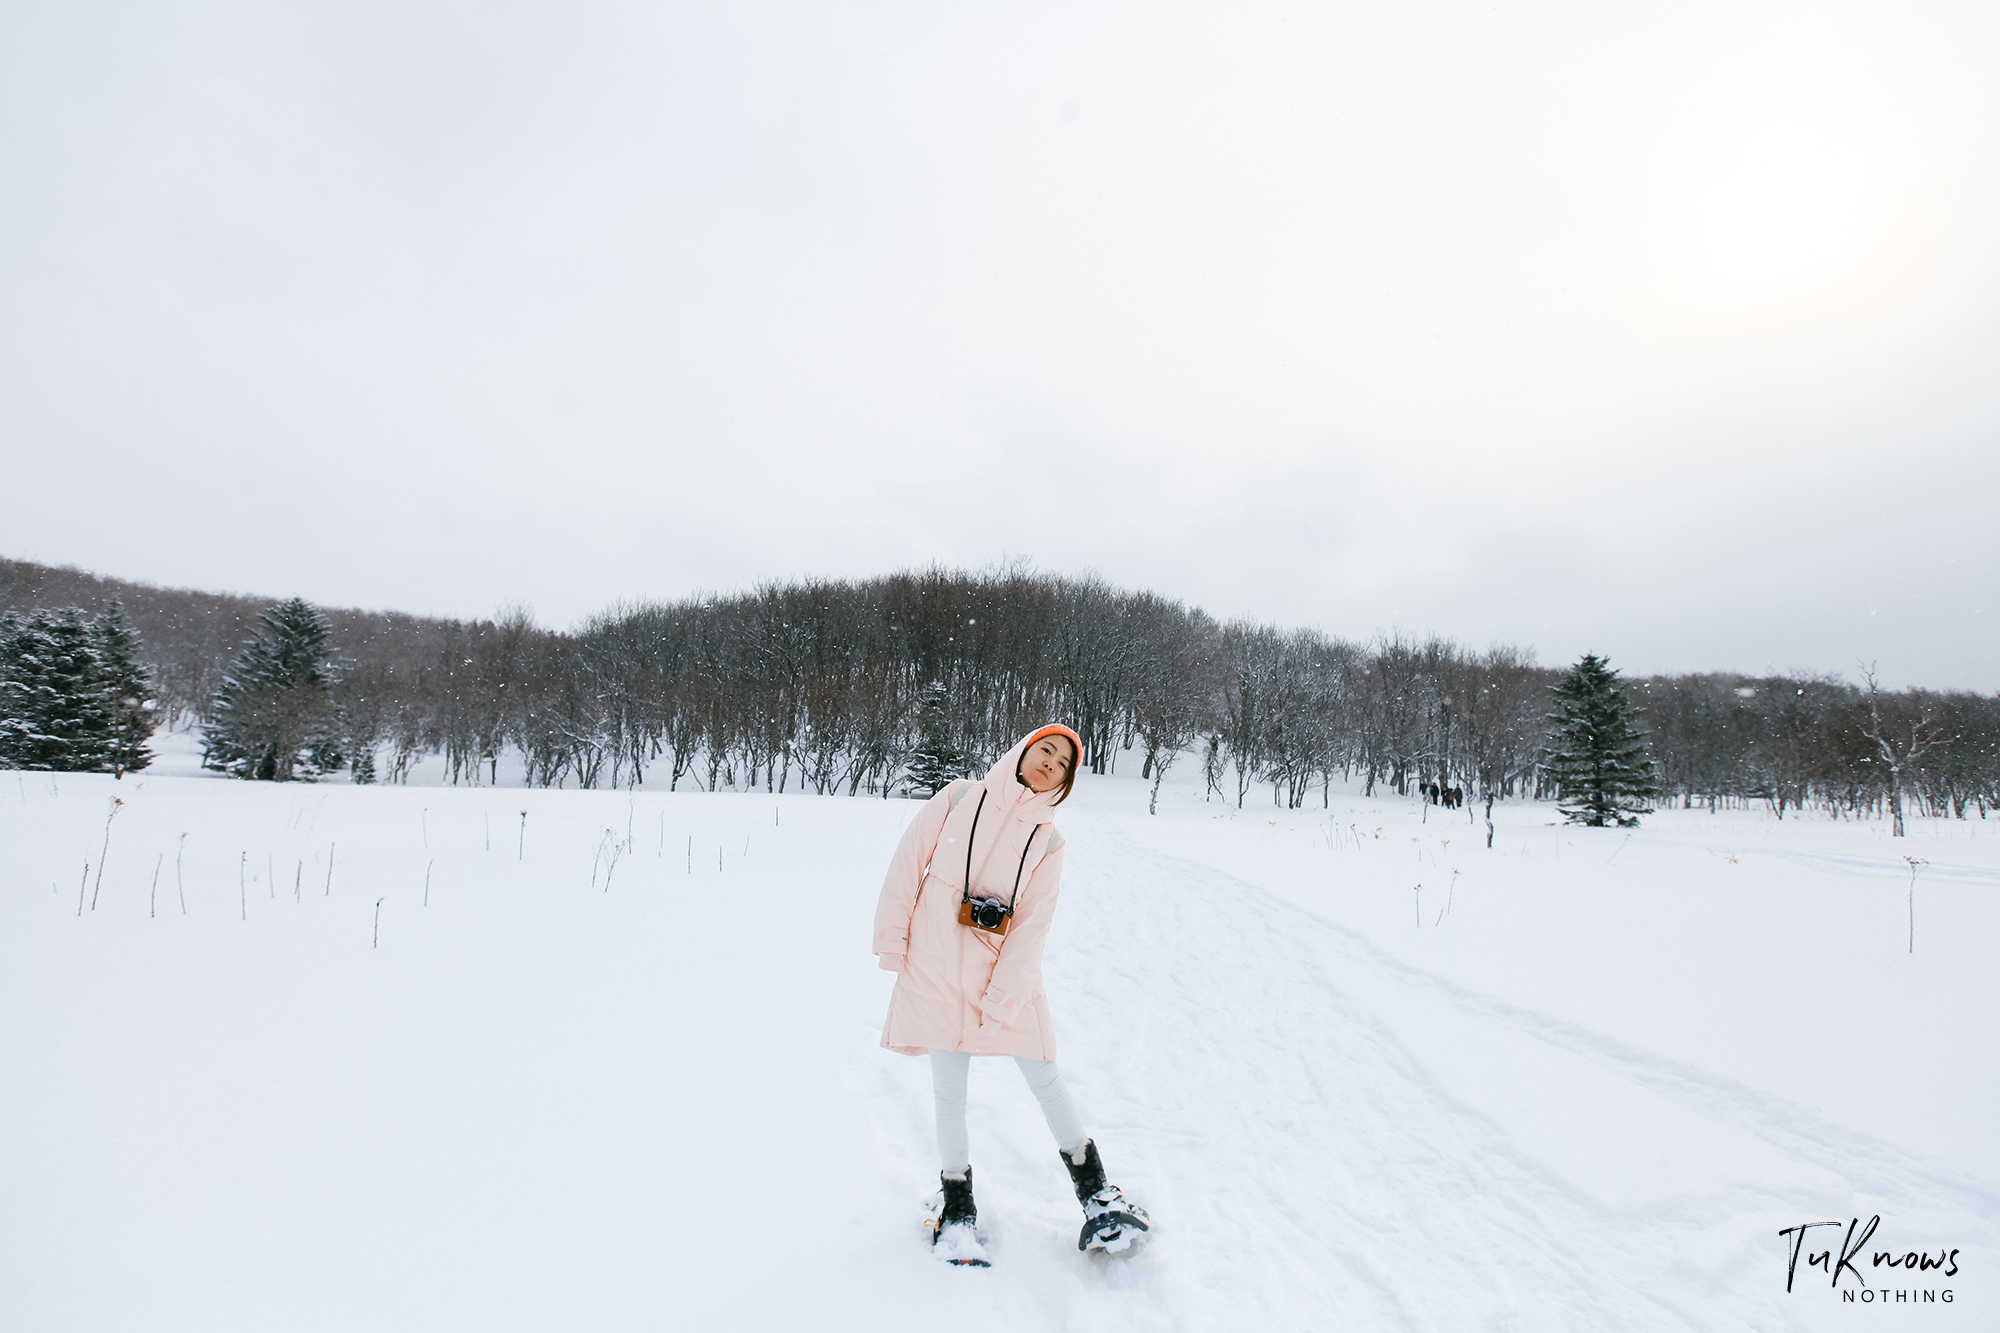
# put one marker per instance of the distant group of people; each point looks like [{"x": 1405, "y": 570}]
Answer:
[{"x": 1451, "y": 798}]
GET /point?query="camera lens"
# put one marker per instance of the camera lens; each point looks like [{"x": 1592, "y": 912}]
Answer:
[{"x": 989, "y": 915}]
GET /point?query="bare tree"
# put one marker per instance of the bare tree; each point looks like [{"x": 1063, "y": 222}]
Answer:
[{"x": 1899, "y": 755}]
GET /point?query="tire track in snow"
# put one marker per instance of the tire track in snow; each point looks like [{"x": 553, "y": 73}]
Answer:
[
  {"x": 1875, "y": 1166},
  {"x": 1297, "y": 1144},
  {"x": 1889, "y": 869}
]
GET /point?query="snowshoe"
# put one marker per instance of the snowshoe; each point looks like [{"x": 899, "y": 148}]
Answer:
[
  {"x": 1111, "y": 1223},
  {"x": 954, "y": 1223}
]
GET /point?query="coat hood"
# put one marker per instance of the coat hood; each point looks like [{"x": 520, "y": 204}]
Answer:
[{"x": 1014, "y": 794}]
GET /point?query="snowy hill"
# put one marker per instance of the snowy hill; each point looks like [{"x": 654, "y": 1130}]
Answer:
[{"x": 620, "y": 1070}]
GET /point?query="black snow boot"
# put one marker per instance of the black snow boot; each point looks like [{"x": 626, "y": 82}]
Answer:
[
  {"x": 958, "y": 1205},
  {"x": 1110, "y": 1222},
  {"x": 955, "y": 1235}
]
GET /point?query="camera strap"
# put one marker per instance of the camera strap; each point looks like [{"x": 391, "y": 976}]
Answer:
[
  {"x": 1023, "y": 866},
  {"x": 966, "y": 896}
]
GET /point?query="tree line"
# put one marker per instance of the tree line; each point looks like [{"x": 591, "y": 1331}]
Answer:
[{"x": 820, "y": 685}]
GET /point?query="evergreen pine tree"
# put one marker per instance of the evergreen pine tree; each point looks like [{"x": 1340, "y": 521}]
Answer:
[
  {"x": 128, "y": 695},
  {"x": 20, "y": 657},
  {"x": 52, "y": 706},
  {"x": 936, "y": 762},
  {"x": 274, "y": 718},
  {"x": 13, "y": 691},
  {"x": 1597, "y": 754}
]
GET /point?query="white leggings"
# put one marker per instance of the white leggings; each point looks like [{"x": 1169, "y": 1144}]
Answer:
[{"x": 949, "y": 1070}]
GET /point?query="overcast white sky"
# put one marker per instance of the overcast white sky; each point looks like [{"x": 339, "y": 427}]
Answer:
[{"x": 1669, "y": 332}]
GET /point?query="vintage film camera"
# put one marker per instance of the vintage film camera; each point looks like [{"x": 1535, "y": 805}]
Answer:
[{"x": 988, "y": 914}]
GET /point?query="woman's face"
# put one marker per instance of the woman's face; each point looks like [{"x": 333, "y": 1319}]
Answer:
[{"x": 1047, "y": 763}]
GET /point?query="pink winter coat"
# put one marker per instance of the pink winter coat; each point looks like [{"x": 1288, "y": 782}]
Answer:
[{"x": 962, "y": 989}]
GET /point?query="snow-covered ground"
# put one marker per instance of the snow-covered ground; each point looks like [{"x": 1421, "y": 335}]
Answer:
[{"x": 1365, "y": 1072}]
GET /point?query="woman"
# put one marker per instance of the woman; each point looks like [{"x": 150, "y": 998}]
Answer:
[{"x": 964, "y": 913}]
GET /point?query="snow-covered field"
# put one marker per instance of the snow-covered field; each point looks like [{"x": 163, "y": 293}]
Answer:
[{"x": 1580, "y": 1080}]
